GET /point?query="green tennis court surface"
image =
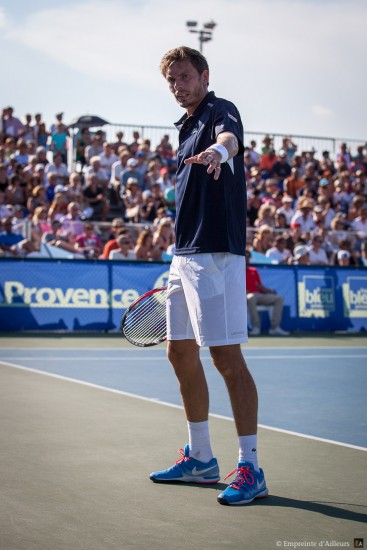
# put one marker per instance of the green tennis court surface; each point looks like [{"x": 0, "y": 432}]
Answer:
[{"x": 75, "y": 464}]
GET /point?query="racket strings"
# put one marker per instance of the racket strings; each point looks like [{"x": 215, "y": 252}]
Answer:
[{"x": 145, "y": 323}]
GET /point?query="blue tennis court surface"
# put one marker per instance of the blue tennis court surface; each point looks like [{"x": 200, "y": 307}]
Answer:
[{"x": 319, "y": 392}]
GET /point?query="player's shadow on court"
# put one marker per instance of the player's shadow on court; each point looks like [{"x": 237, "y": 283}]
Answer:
[{"x": 331, "y": 509}]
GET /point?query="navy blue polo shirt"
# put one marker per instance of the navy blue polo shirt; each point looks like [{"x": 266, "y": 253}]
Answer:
[{"x": 210, "y": 215}]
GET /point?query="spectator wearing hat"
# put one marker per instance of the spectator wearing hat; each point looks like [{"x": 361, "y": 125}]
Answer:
[
  {"x": 317, "y": 254},
  {"x": 279, "y": 253},
  {"x": 343, "y": 258},
  {"x": 258, "y": 294},
  {"x": 301, "y": 255},
  {"x": 124, "y": 251},
  {"x": 303, "y": 215},
  {"x": 94, "y": 198}
]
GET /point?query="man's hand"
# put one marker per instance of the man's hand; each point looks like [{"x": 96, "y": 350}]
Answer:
[{"x": 211, "y": 159}]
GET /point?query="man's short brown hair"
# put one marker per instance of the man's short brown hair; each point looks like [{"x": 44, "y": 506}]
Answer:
[{"x": 184, "y": 53}]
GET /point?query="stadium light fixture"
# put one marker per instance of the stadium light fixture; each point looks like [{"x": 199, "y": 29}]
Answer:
[{"x": 205, "y": 34}]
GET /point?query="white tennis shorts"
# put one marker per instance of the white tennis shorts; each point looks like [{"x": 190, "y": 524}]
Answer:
[{"x": 206, "y": 299}]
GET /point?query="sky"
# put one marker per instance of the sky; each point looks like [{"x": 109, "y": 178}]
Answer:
[{"x": 290, "y": 66}]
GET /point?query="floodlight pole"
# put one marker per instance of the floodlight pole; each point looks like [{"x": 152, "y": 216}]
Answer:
[{"x": 205, "y": 34}]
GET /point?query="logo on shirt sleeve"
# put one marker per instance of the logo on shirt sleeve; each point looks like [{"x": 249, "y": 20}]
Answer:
[{"x": 232, "y": 117}]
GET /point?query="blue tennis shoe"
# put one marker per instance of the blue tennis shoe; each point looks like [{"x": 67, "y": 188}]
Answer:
[
  {"x": 248, "y": 485},
  {"x": 189, "y": 470}
]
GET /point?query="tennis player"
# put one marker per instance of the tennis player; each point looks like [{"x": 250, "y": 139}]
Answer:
[{"x": 206, "y": 304}]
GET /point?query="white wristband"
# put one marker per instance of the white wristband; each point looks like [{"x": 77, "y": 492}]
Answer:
[{"x": 221, "y": 150}]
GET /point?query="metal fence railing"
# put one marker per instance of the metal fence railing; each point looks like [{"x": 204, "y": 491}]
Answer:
[{"x": 303, "y": 142}]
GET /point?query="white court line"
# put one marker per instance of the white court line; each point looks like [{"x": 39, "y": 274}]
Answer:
[
  {"x": 161, "y": 348},
  {"x": 172, "y": 405},
  {"x": 151, "y": 358}
]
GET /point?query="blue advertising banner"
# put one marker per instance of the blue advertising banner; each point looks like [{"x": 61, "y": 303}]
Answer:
[
  {"x": 88, "y": 295},
  {"x": 72, "y": 295}
]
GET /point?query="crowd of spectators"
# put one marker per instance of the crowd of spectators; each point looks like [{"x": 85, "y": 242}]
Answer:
[
  {"x": 304, "y": 208},
  {"x": 119, "y": 202}
]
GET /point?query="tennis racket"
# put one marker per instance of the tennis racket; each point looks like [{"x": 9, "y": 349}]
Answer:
[{"x": 144, "y": 322}]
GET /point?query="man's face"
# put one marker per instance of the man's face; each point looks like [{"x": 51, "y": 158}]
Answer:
[{"x": 188, "y": 87}]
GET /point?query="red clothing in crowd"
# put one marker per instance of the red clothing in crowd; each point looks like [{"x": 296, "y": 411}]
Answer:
[{"x": 252, "y": 280}]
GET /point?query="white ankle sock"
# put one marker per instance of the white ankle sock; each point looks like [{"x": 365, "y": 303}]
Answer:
[
  {"x": 199, "y": 441},
  {"x": 248, "y": 449}
]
